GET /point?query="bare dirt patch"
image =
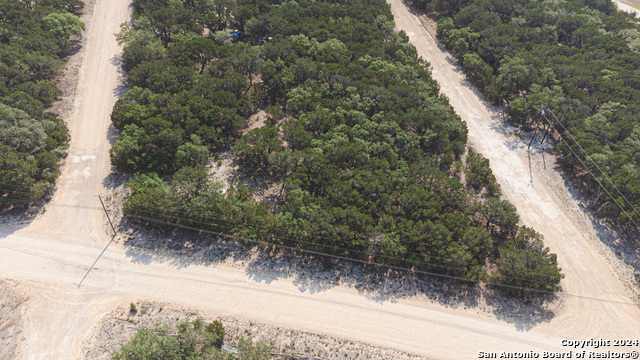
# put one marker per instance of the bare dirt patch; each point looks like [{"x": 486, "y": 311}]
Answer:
[
  {"x": 256, "y": 121},
  {"x": 223, "y": 167},
  {"x": 120, "y": 325},
  {"x": 634, "y": 3},
  {"x": 13, "y": 306},
  {"x": 225, "y": 170},
  {"x": 117, "y": 194}
]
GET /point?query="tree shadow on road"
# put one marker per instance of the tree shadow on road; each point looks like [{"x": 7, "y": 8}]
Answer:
[
  {"x": 524, "y": 314},
  {"x": 123, "y": 85},
  {"x": 17, "y": 214},
  {"x": 312, "y": 274},
  {"x": 12, "y": 223},
  {"x": 179, "y": 249}
]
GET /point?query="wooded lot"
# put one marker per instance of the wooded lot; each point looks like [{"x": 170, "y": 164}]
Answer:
[
  {"x": 579, "y": 58},
  {"x": 368, "y": 153},
  {"x": 34, "y": 38}
]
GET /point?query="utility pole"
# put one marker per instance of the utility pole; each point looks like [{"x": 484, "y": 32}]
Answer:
[
  {"x": 546, "y": 131},
  {"x": 108, "y": 217},
  {"x": 535, "y": 131}
]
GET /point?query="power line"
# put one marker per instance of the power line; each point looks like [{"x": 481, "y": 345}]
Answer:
[
  {"x": 589, "y": 171},
  {"x": 594, "y": 163},
  {"x": 394, "y": 267},
  {"x": 11, "y": 185},
  {"x": 235, "y": 237},
  {"x": 334, "y": 239},
  {"x": 314, "y": 244},
  {"x": 155, "y": 219},
  {"x": 14, "y": 201},
  {"x": 152, "y": 219},
  {"x": 23, "y": 201}
]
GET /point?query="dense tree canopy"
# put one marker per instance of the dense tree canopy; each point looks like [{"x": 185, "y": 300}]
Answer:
[
  {"x": 32, "y": 141},
  {"x": 365, "y": 146},
  {"x": 580, "y": 59}
]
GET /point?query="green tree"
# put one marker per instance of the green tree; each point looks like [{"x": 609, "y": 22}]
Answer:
[
  {"x": 254, "y": 148},
  {"x": 477, "y": 69},
  {"x": 193, "y": 341},
  {"x": 31, "y": 143},
  {"x": 149, "y": 344},
  {"x": 192, "y": 152},
  {"x": 479, "y": 175},
  {"x": 72, "y": 6},
  {"x": 501, "y": 216},
  {"x": 188, "y": 182},
  {"x": 126, "y": 154},
  {"x": 217, "y": 329},
  {"x": 19, "y": 131},
  {"x": 445, "y": 26},
  {"x": 250, "y": 351},
  {"x": 526, "y": 270},
  {"x": 514, "y": 75},
  {"x": 62, "y": 26},
  {"x": 478, "y": 241}
]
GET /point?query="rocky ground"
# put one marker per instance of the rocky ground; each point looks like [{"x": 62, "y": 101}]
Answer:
[
  {"x": 12, "y": 310},
  {"x": 262, "y": 263},
  {"x": 120, "y": 325}
]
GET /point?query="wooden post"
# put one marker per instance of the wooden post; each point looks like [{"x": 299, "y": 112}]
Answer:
[
  {"x": 546, "y": 131},
  {"x": 108, "y": 217},
  {"x": 535, "y": 132}
]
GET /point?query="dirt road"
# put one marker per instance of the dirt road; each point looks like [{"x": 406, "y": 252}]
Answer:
[
  {"x": 628, "y": 5},
  {"x": 56, "y": 250},
  {"x": 57, "y": 317},
  {"x": 532, "y": 184}
]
